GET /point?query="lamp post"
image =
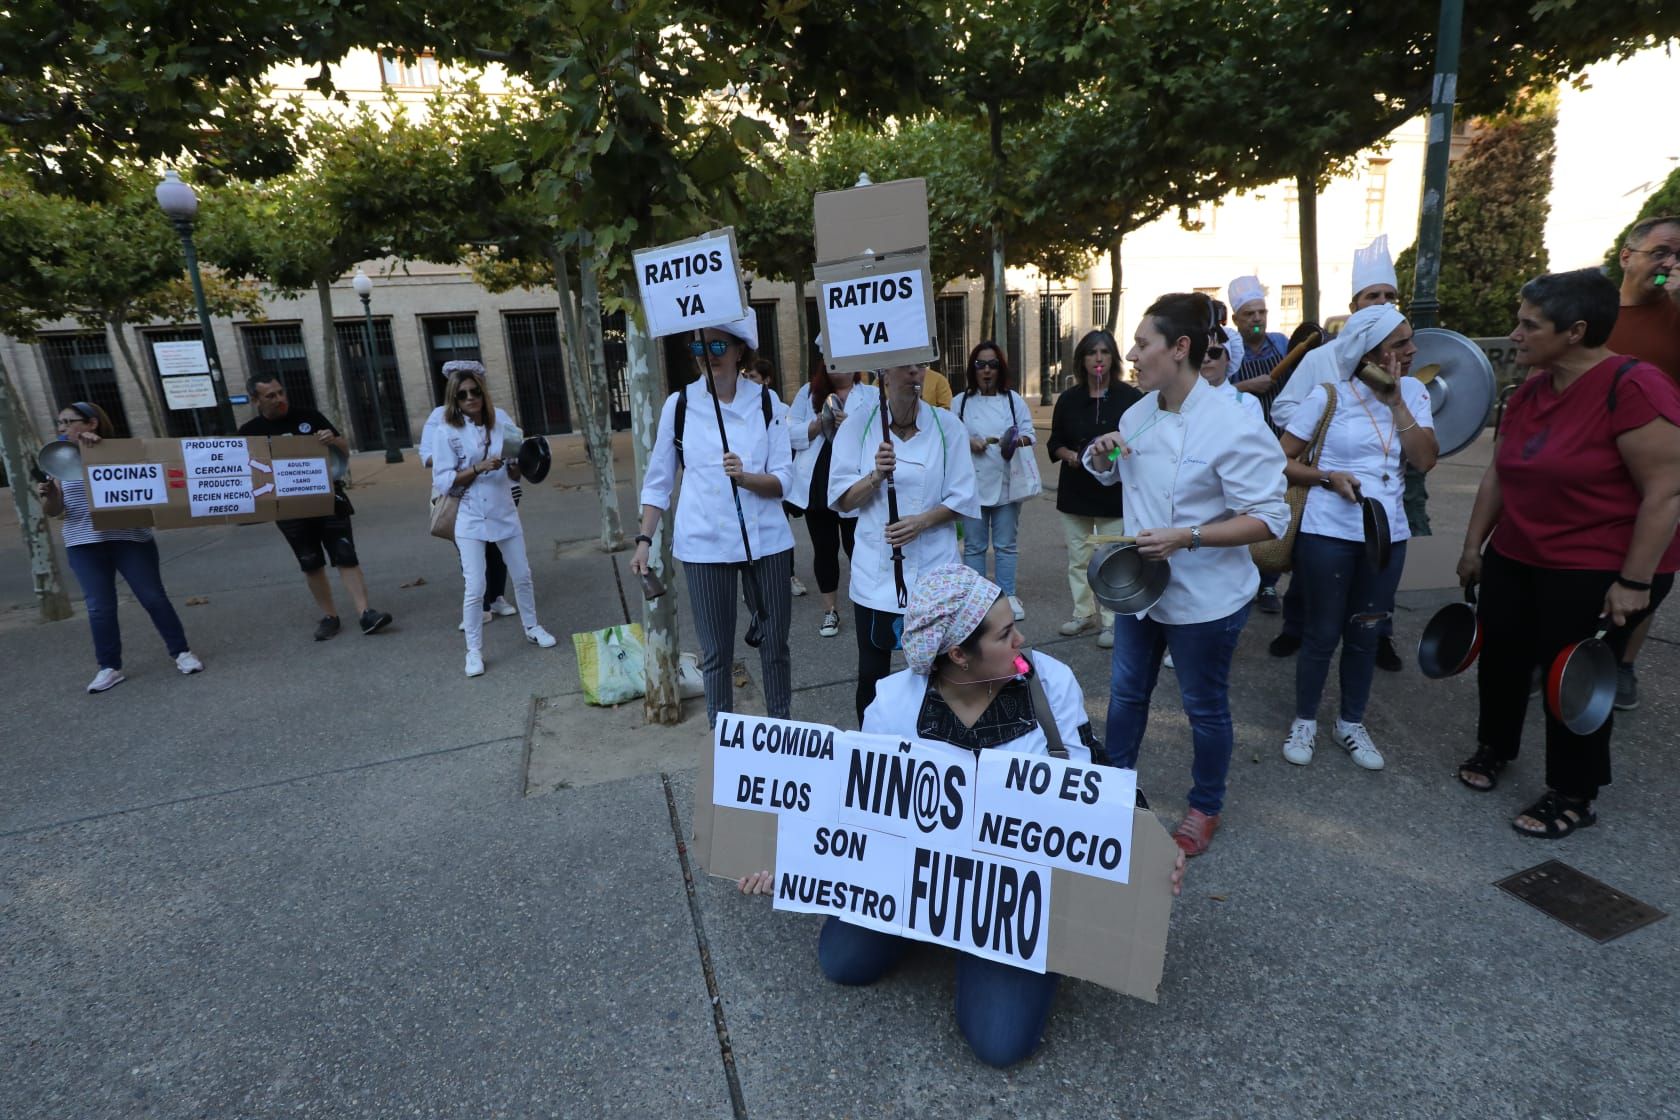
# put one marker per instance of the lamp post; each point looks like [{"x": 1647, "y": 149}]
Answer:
[
  {"x": 1425, "y": 307},
  {"x": 364, "y": 289},
  {"x": 180, "y": 206}
]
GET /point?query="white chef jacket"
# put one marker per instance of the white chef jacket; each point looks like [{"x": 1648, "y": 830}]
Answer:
[
  {"x": 487, "y": 511},
  {"x": 934, "y": 469},
  {"x": 1208, "y": 462},
  {"x": 707, "y": 530},
  {"x": 988, "y": 417},
  {"x": 1317, "y": 368},
  {"x": 807, "y": 449},
  {"x": 898, "y": 705},
  {"x": 1354, "y": 443},
  {"x": 1249, "y": 402}
]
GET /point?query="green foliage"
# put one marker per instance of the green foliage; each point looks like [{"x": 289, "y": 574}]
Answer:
[
  {"x": 1663, "y": 202},
  {"x": 1494, "y": 222}
]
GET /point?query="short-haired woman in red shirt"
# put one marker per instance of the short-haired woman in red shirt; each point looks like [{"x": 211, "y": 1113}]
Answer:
[{"x": 1578, "y": 514}]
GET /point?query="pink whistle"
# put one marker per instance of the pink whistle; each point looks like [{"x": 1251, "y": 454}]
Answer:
[{"x": 1021, "y": 666}]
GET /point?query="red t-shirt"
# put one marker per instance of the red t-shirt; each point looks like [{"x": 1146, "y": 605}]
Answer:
[
  {"x": 1650, "y": 331},
  {"x": 1569, "y": 500}
]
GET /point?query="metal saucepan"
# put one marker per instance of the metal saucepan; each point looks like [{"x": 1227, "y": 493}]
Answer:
[
  {"x": 1123, "y": 580},
  {"x": 1378, "y": 546},
  {"x": 1581, "y": 687},
  {"x": 1452, "y": 640},
  {"x": 62, "y": 460},
  {"x": 512, "y": 438},
  {"x": 534, "y": 458}
]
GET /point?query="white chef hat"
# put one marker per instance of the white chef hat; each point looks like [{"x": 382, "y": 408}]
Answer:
[
  {"x": 745, "y": 328},
  {"x": 1233, "y": 342},
  {"x": 1372, "y": 265},
  {"x": 1243, "y": 291}
]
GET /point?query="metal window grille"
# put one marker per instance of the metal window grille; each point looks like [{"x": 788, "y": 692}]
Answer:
[
  {"x": 1100, "y": 304},
  {"x": 617, "y": 352},
  {"x": 449, "y": 338},
  {"x": 278, "y": 349},
  {"x": 950, "y": 314},
  {"x": 1053, "y": 336},
  {"x": 539, "y": 371},
  {"x": 352, "y": 353},
  {"x": 80, "y": 369},
  {"x": 770, "y": 340}
]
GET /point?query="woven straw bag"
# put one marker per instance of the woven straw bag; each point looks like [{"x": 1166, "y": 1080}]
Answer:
[{"x": 1278, "y": 556}]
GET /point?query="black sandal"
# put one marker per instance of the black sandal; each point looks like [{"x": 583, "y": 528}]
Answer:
[
  {"x": 1482, "y": 764},
  {"x": 1561, "y": 815}
]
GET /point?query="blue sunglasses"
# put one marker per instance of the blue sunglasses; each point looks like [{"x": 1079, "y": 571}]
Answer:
[{"x": 719, "y": 347}]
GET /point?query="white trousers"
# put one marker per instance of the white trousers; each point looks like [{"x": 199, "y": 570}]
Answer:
[{"x": 519, "y": 574}]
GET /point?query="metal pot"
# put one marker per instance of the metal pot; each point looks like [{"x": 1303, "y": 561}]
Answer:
[
  {"x": 1124, "y": 581},
  {"x": 62, "y": 460}
]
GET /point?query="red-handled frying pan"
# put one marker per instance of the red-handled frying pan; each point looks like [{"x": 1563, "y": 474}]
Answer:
[
  {"x": 1581, "y": 687},
  {"x": 1452, "y": 639}
]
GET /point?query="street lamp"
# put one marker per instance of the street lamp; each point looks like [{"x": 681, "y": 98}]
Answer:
[
  {"x": 364, "y": 289},
  {"x": 180, "y": 206}
]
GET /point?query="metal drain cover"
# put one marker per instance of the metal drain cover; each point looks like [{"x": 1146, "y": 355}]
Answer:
[{"x": 1579, "y": 901}]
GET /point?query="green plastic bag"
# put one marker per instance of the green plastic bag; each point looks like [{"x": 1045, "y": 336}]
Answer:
[{"x": 610, "y": 664}]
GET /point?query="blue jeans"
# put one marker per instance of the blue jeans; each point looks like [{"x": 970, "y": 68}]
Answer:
[
  {"x": 1000, "y": 523},
  {"x": 1001, "y": 1009},
  {"x": 96, "y": 567},
  {"x": 1347, "y": 600},
  {"x": 1202, "y": 653}
]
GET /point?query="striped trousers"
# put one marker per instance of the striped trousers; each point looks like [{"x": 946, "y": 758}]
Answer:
[{"x": 715, "y": 591}]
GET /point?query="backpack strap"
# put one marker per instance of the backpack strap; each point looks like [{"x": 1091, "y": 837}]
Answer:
[
  {"x": 1041, "y": 710},
  {"x": 682, "y": 422}
]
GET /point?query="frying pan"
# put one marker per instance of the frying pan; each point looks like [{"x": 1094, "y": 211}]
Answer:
[
  {"x": 1452, "y": 640},
  {"x": 1378, "y": 545},
  {"x": 62, "y": 460},
  {"x": 1581, "y": 687}
]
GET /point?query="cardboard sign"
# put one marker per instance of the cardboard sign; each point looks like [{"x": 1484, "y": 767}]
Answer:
[
  {"x": 183, "y": 394},
  {"x": 691, "y": 284},
  {"x": 1029, "y": 912},
  {"x": 175, "y": 359},
  {"x": 294, "y": 478},
  {"x": 775, "y": 765},
  {"x": 1057, "y": 812},
  {"x": 205, "y": 481},
  {"x": 874, "y": 284},
  {"x": 126, "y": 485}
]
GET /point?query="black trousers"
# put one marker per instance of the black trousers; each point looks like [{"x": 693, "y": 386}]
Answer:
[
  {"x": 829, "y": 531},
  {"x": 1529, "y": 615},
  {"x": 873, "y": 661}
]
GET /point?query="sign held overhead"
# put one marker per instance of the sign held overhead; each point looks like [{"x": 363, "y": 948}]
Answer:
[
  {"x": 691, "y": 284},
  {"x": 874, "y": 283}
]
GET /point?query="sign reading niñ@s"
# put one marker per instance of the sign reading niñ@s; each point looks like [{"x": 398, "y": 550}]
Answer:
[{"x": 691, "y": 284}]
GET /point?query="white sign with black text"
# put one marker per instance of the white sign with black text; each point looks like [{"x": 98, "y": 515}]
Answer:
[
  {"x": 690, "y": 284},
  {"x": 993, "y": 908},
  {"x": 850, "y": 873},
  {"x": 1056, "y": 812},
  {"x": 127, "y": 485},
  {"x": 189, "y": 392},
  {"x": 175, "y": 359},
  {"x": 876, "y": 314},
  {"x": 775, "y": 765}
]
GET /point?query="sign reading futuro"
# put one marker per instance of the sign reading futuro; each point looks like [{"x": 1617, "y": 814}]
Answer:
[{"x": 1024, "y": 859}]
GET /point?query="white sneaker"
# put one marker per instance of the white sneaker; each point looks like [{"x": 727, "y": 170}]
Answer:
[
  {"x": 1015, "y": 605},
  {"x": 475, "y": 663},
  {"x": 830, "y": 624},
  {"x": 1105, "y": 640},
  {"x": 106, "y": 678},
  {"x": 540, "y": 636},
  {"x": 1077, "y": 625},
  {"x": 500, "y": 607},
  {"x": 462, "y": 625},
  {"x": 1299, "y": 747},
  {"x": 1357, "y": 742},
  {"x": 796, "y": 587},
  {"x": 1167, "y": 662},
  {"x": 187, "y": 663}
]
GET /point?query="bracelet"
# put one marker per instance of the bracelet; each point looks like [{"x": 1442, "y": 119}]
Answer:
[
  {"x": 1327, "y": 482},
  {"x": 1407, "y": 428},
  {"x": 1632, "y": 584},
  {"x": 643, "y": 538}
]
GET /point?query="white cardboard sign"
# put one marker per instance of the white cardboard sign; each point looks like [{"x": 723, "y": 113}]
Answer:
[
  {"x": 1056, "y": 812},
  {"x": 126, "y": 485},
  {"x": 775, "y": 765},
  {"x": 218, "y": 477},
  {"x": 183, "y": 394},
  {"x": 691, "y": 284},
  {"x": 908, "y": 788},
  {"x": 851, "y": 873},
  {"x": 177, "y": 358},
  {"x": 875, "y": 314},
  {"x": 979, "y": 904},
  {"x": 296, "y": 477}
]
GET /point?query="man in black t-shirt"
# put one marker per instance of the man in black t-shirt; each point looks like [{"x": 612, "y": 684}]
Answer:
[{"x": 316, "y": 540}]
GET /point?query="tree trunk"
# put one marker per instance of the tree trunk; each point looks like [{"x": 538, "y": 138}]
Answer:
[
  {"x": 577, "y": 381},
  {"x": 1000, "y": 294},
  {"x": 1116, "y": 273},
  {"x": 17, "y": 449},
  {"x": 662, "y": 702},
  {"x": 115, "y": 324},
  {"x": 337, "y": 397},
  {"x": 1306, "y": 187},
  {"x": 600, "y": 440},
  {"x": 988, "y": 314},
  {"x": 591, "y": 409}
]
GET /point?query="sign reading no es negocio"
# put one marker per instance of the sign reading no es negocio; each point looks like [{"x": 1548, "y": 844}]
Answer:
[{"x": 691, "y": 284}]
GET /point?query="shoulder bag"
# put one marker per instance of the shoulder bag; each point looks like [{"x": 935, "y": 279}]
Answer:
[
  {"x": 446, "y": 507},
  {"x": 1278, "y": 555}
]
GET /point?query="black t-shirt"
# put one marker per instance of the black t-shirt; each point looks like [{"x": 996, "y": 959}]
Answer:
[
  {"x": 1077, "y": 420},
  {"x": 296, "y": 422}
]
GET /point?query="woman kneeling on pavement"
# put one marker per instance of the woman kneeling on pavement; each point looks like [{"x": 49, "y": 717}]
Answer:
[
  {"x": 907, "y": 452},
  {"x": 466, "y": 454},
  {"x": 1577, "y": 514},
  {"x": 1348, "y": 596},
  {"x": 967, "y": 685},
  {"x": 1203, "y": 479}
]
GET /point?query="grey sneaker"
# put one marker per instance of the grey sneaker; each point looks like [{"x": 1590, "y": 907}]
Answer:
[{"x": 1627, "y": 688}]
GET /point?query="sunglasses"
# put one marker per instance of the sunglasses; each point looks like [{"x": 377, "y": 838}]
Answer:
[
  {"x": 1216, "y": 352},
  {"x": 718, "y": 346},
  {"x": 469, "y": 395},
  {"x": 987, "y": 363}
]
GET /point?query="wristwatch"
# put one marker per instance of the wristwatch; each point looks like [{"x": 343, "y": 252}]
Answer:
[
  {"x": 1195, "y": 537},
  {"x": 1326, "y": 482},
  {"x": 643, "y": 538}
]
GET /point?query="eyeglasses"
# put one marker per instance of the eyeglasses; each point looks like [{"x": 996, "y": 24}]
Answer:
[
  {"x": 469, "y": 395},
  {"x": 987, "y": 363},
  {"x": 718, "y": 346},
  {"x": 66, "y": 421},
  {"x": 1660, "y": 253}
]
